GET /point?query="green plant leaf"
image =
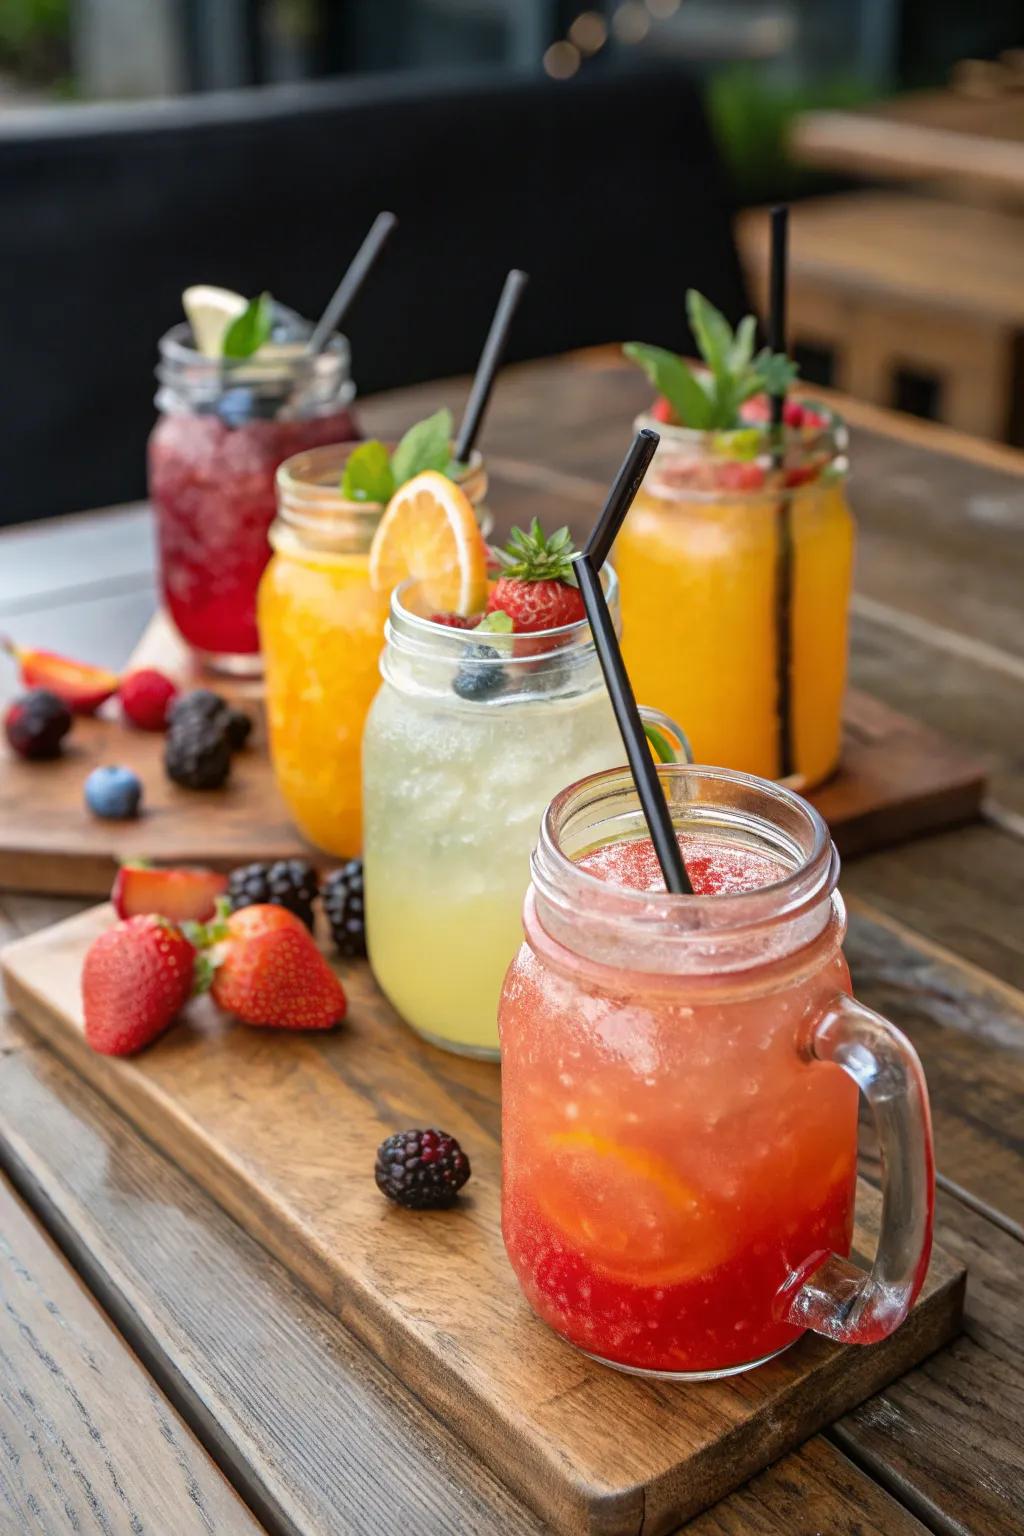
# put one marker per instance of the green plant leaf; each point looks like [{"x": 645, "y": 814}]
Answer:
[
  {"x": 367, "y": 475},
  {"x": 427, "y": 445},
  {"x": 672, "y": 378},
  {"x": 742, "y": 350},
  {"x": 712, "y": 333},
  {"x": 251, "y": 330}
]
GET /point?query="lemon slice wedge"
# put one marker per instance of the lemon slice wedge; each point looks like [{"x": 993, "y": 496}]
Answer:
[{"x": 209, "y": 312}]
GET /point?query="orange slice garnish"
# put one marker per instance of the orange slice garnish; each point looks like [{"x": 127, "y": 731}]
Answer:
[
  {"x": 429, "y": 532},
  {"x": 628, "y": 1212}
]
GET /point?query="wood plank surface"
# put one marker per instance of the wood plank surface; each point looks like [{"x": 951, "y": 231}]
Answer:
[
  {"x": 255, "y": 1119},
  {"x": 306, "y": 1423},
  {"x": 87, "y": 1442}
]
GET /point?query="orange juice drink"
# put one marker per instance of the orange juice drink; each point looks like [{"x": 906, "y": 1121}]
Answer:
[
  {"x": 321, "y": 626},
  {"x": 735, "y": 589}
]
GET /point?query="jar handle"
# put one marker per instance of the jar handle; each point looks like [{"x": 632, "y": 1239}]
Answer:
[
  {"x": 830, "y": 1294},
  {"x": 670, "y": 742}
]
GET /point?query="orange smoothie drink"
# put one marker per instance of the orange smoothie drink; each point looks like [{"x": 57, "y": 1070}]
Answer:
[
  {"x": 736, "y": 560},
  {"x": 321, "y": 624}
]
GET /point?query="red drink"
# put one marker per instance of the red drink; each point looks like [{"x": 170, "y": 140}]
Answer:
[
  {"x": 212, "y": 486},
  {"x": 678, "y": 1157},
  {"x": 223, "y": 430}
]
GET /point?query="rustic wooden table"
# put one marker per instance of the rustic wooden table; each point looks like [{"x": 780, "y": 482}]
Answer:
[
  {"x": 161, "y": 1372},
  {"x": 968, "y": 144}
]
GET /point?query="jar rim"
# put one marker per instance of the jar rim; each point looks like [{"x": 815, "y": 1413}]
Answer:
[
  {"x": 739, "y": 801},
  {"x": 177, "y": 348},
  {"x": 310, "y": 479}
]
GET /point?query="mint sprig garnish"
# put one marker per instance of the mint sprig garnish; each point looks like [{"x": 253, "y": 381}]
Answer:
[
  {"x": 251, "y": 330},
  {"x": 710, "y": 402},
  {"x": 372, "y": 474}
]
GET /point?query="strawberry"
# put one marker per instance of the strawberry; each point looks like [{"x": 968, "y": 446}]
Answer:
[
  {"x": 136, "y": 977},
  {"x": 451, "y": 620},
  {"x": 662, "y": 410},
  {"x": 536, "y": 588},
  {"x": 270, "y": 972},
  {"x": 182, "y": 895},
  {"x": 146, "y": 696},
  {"x": 736, "y": 475}
]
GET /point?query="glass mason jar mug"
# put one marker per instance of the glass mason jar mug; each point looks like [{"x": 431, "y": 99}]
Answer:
[
  {"x": 222, "y": 431},
  {"x": 321, "y": 627},
  {"x": 679, "y": 1087},
  {"x": 461, "y": 754},
  {"x": 735, "y": 590}
]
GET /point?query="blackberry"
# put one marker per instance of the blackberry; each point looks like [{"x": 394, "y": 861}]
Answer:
[
  {"x": 288, "y": 883},
  {"x": 239, "y": 729},
  {"x": 422, "y": 1170},
  {"x": 197, "y": 753},
  {"x": 477, "y": 678},
  {"x": 342, "y": 896},
  {"x": 37, "y": 723},
  {"x": 203, "y": 704}
]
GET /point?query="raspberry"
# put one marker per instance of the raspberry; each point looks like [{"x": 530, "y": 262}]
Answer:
[
  {"x": 450, "y": 620},
  {"x": 422, "y": 1170},
  {"x": 342, "y": 895},
  {"x": 288, "y": 883},
  {"x": 146, "y": 696}
]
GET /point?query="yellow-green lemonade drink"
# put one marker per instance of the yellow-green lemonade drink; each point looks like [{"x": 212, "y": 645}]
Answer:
[{"x": 468, "y": 738}]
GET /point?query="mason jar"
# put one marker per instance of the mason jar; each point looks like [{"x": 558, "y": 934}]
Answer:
[
  {"x": 466, "y": 741},
  {"x": 223, "y": 428},
  {"x": 321, "y": 628},
  {"x": 679, "y": 1088},
  {"x": 736, "y": 581}
]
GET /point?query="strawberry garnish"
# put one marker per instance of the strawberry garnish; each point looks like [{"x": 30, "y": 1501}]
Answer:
[
  {"x": 181, "y": 895},
  {"x": 270, "y": 972},
  {"x": 136, "y": 977},
  {"x": 81, "y": 687},
  {"x": 537, "y": 587}
]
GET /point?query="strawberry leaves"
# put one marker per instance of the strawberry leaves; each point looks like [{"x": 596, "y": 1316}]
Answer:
[{"x": 711, "y": 401}]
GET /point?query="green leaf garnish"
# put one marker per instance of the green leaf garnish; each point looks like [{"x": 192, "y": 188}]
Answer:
[
  {"x": 711, "y": 402},
  {"x": 496, "y": 623},
  {"x": 368, "y": 475},
  {"x": 372, "y": 474},
  {"x": 251, "y": 330},
  {"x": 427, "y": 445}
]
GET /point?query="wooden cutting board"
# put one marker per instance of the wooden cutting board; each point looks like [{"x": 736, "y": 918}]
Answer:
[
  {"x": 282, "y": 1131},
  {"x": 898, "y": 779}
]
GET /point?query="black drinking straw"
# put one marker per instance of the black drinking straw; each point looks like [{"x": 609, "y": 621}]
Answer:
[
  {"x": 356, "y": 274},
  {"x": 620, "y": 690},
  {"x": 620, "y": 497},
  {"x": 778, "y": 273},
  {"x": 487, "y": 367}
]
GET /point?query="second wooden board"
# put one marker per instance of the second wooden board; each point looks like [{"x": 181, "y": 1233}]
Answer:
[{"x": 282, "y": 1130}]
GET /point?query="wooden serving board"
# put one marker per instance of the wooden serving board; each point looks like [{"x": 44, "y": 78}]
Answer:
[
  {"x": 898, "y": 779},
  {"x": 282, "y": 1131}
]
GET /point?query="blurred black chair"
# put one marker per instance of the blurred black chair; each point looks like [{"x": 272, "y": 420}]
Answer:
[{"x": 608, "y": 191}]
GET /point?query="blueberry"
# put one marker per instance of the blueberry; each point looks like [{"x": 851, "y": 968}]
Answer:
[
  {"x": 113, "y": 793},
  {"x": 477, "y": 678}
]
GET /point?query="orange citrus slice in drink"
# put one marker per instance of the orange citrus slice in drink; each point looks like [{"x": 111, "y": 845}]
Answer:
[
  {"x": 628, "y": 1212},
  {"x": 429, "y": 532}
]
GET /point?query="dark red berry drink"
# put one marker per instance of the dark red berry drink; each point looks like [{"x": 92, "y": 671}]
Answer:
[
  {"x": 213, "y": 455},
  {"x": 678, "y": 1095}
]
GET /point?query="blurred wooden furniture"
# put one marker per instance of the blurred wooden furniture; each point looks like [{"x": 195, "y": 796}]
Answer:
[
  {"x": 971, "y": 145},
  {"x": 315, "y": 1435},
  {"x": 886, "y": 281}
]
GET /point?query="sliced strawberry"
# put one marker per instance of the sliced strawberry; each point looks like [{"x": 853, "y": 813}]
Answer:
[
  {"x": 135, "y": 978},
  {"x": 82, "y": 688},
  {"x": 181, "y": 895},
  {"x": 734, "y": 475},
  {"x": 271, "y": 974}
]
